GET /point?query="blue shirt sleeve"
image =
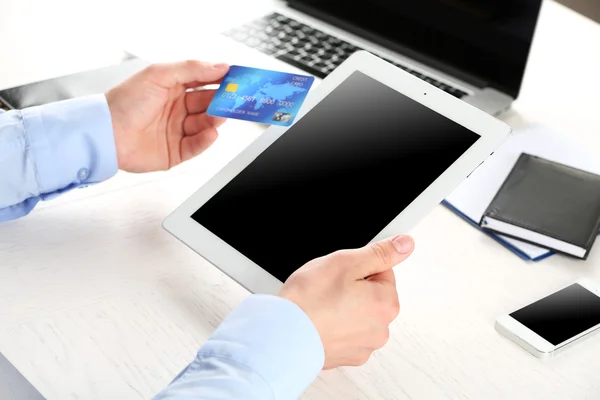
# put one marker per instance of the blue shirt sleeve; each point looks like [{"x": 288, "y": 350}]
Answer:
[
  {"x": 48, "y": 150},
  {"x": 267, "y": 348}
]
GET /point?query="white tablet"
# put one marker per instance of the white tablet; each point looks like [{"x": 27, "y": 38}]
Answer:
[{"x": 372, "y": 152}]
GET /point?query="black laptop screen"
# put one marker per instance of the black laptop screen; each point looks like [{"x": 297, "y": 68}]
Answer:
[{"x": 486, "y": 39}]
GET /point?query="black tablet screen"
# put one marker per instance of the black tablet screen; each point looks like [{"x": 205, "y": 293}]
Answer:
[{"x": 336, "y": 178}]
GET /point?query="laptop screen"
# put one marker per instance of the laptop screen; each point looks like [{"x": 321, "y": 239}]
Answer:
[{"x": 484, "y": 42}]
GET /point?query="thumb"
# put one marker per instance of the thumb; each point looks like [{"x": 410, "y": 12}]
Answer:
[
  {"x": 184, "y": 72},
  {"x": 381, "y": 256}
]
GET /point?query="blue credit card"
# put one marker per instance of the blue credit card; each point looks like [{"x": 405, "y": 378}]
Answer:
[{"x": 260, "y": 95}]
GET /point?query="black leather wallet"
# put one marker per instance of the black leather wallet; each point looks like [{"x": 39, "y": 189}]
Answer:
[{"x": 547, "y": 204}]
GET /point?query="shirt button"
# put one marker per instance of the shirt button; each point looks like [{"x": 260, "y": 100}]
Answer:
[{"x": 83, "y": 174}]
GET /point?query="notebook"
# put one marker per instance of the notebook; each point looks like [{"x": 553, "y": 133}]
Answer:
[
  {"x": 548, "y": 204},
  {"x": 471, "y": 199}
]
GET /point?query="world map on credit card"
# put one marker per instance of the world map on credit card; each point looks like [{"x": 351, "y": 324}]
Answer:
[{"x": 259, "y": 95}]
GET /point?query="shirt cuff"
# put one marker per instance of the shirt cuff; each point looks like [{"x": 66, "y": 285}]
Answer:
[
  {"x": 273, "y": 337},
  {"x": 71, "y": 143}
]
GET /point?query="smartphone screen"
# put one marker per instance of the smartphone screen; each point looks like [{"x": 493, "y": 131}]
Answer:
[{"x": 562, "y": 315}]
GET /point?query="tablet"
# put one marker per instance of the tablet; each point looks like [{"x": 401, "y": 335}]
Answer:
[{"x": 372, "y": 152}]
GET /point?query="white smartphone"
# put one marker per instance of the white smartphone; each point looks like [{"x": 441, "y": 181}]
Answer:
[{"x": 555, "y": 322}]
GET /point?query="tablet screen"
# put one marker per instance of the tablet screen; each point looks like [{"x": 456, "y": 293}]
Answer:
[{"x": 336, "y": 178}]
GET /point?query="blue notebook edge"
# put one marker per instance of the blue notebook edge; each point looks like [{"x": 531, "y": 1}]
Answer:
[{"x": 497, "y": 238}]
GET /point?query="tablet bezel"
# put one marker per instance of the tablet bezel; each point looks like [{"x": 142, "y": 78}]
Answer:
[{"x": 257, "y": 280}]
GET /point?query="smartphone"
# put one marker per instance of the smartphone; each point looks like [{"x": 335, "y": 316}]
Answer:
[{"x": 555, "y": 322}]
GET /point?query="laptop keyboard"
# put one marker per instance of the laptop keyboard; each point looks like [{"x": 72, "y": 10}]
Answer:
[{"x": 307, "y": 48}]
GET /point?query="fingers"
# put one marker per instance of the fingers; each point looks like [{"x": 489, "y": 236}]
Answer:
[
  {"x": 385, "y": 277},
  {"x": 197, "y": 84},
  {"x": 169, "y": 75},
  {"x": 382, "y": 256},
  {"x": 197, "y": 102},
  {"x": 195, "y": 123},
  {"x": 193, "y": 145},
  {"x": 383, "y": 287},
  {"x": 360, "y": 358},
  {"x": 200, "y": 131}
]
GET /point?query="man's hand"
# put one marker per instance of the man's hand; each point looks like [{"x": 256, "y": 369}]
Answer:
[
  {"x": 156, "y": 124},
  {"x": 351, "y": 298}
]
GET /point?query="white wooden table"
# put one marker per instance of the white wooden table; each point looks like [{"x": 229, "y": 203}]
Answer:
[{"x": 98, "y": 302}]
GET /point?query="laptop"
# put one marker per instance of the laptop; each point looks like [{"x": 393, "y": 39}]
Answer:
[{"x": 476, "y": 50}]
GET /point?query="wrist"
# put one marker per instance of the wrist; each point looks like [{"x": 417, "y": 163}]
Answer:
[
  {"x": 71, "y": 143},
  {"x": 273, "y": 337},
  {"x": 295, "y": 297},
  {"x": 118, "y": 131}
]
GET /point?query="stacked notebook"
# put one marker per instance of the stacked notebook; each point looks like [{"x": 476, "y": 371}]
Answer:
[
  {"x": 538, "y": 194},
  {"x": 548, "y": 204}
]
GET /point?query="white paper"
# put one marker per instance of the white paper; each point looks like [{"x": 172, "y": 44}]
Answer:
[{"x": 474, "y": 195}]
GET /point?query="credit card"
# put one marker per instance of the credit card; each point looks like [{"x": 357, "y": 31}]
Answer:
[{"x": 260, "y": 95}]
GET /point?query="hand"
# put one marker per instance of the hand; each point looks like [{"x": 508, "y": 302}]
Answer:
[
  {"x": 351, "y": 298},
  {"x": 157, "y": 125}
]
